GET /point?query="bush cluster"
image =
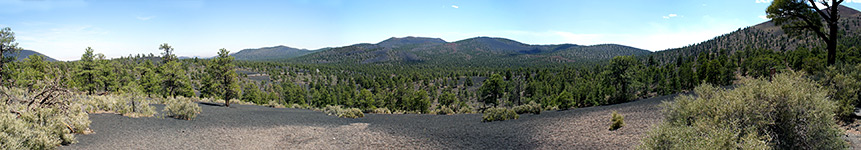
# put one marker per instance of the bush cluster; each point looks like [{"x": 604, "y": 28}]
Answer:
[
  {"x": 443, "y": 110},
  {"x": 844, "y": 83},
  {"x": 127, "y": 105},
  {"x": 789, "y": 112},
  {"x": 343, "y": 112},
  {"x": 616, "y": 121},
  {"x": 181, "y": 108},
  {"x": 38, "y": 127},
  {"x": 532, "y": 107},
  {"x": 498, "y": 114},
  {"x": 382, "y": 110},
  {"x": 274, "y": 104}
]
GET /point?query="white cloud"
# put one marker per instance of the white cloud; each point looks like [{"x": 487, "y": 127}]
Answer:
[
  {"x": 763, "y": 17},
  {"x": 670, "y": 16},
  {"x": 455, "y": 6},
  {"x": 145, "y": 18},
  {"x": 763, "y": 1}
]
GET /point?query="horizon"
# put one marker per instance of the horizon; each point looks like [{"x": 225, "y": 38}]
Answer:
[{"x": 198, "y": 28}]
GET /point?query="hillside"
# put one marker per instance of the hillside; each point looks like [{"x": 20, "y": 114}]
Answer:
[
  {"x": 270, "y": 53},
  {"x": 396, "y": 42},
  {"x": 26, "y": 53},
  {"x": 768, "y": 36},
  {"x": 479, "y": 51}
]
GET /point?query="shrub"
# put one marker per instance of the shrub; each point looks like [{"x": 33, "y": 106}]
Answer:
[
  {"x": 498, "y": 114},
  {"x": 464, "y": 109},
  {"x": 343, "y": 112},
  {"x": 790, "y": 112},
  {"x": 39, "y": 127},
  {"x": 274, "y": 104},
  {"x": 443, "y": 110},
  {"x": 127, "y": 105},
  {"x": 617, "y": 121},
  {"x": 532, "y": 107},
  {"x": 844, "y": 84},
  {"x": 382, "y": 110},
  {"x": 181, "y": 108}
]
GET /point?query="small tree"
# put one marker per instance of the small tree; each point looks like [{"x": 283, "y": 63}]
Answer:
[
  {"x": 175, "y": 81},
  {"x": 8, "y": 46},
  {"x": 223, "y": 76},
  {"x": 167, "y": 55},
  {"x": 87, "y": 74},
  {"x": 492, "y": 89}
]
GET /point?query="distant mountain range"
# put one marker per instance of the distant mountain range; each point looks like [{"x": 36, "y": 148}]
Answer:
[
  {"x": 26, "y": 53},
  {"x": 270, "y": 53},
  {"x": 478, "y": 50}
]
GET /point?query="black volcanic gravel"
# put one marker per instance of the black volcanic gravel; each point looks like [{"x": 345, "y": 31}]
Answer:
[{"x": 257, "y": 127}]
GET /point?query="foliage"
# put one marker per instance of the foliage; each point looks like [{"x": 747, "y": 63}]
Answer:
[
  {"x": 7, "y": 46},
  {"x": 798, "y": 16},
  {"x": 443, "y": 110},
  {"x": 222, "y": 81},
  {"x": 789, "y": 112},
  {"x": 343, "y": 112},
  {"x": 127, "y": 105},
  {"x": 844, "y": 84},
  {"x": 616, "y": 121},
  {"x": 532, "y": 107},
  {"x": 181, "y": 108},
  {"x": 381, "y": 111},
  {"x": 498, "y": 114},
  {"x": 42, "y": 126},
  {"x": 492, "y": 90}
]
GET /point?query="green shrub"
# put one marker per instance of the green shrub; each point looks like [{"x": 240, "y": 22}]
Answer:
[
  {"x": 498, "y": 114},
  {"x": 790, "y": 112},
  {"x": 383, "y": 110},
  {"x": 616, "y": 121},
  {"x": 443, "y": 110},
  {"x": 274, "y": 104},
  {"x": 38, "y": 127},
  {"x": 844, "y": 84},
  {"x": 181, "y": 108},
  {"x": 464, "y": 109},
  {"x": 532, "y": 107},
  {"x": 127, "y": 105},
  {"x": 343, "y": 112}
]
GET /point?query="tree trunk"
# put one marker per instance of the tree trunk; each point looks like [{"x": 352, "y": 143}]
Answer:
[{"x": 832, "y": 42}]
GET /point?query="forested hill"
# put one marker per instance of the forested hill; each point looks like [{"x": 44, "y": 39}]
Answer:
[
  {"x": 478, "y": 51},
  {"x": 768, "y": 36},
  {"x": 26, "y": 53},
  {"x": 269, "y": 53}
]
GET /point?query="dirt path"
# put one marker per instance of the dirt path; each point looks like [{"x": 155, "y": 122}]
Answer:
[{"x": 255, "y": 127}]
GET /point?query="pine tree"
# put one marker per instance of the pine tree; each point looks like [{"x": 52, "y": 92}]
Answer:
[
  {"x": 175, "y": 80},
  {"x": 492, "y": 89},
  {"x": 87, "y": 73},
  {"x": 223, "y": 78}
]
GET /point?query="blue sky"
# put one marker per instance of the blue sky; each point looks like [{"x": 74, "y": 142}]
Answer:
[{"x": 63, "y": 29}]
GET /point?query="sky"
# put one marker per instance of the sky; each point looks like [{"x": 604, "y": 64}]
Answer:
[{"x": 62, "y": 29}]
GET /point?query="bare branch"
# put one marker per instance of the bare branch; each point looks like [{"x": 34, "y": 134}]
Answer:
[{"x": 818, "y": 11}]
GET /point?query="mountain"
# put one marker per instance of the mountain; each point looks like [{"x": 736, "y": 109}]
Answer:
[
  {"x": 26, "y": 53},
  {"x": 479, "y": 51},
  {"x": 270, "y": 53},
  {"x": 768, "y": 36},
  {"x": 395, "y": 42}
]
